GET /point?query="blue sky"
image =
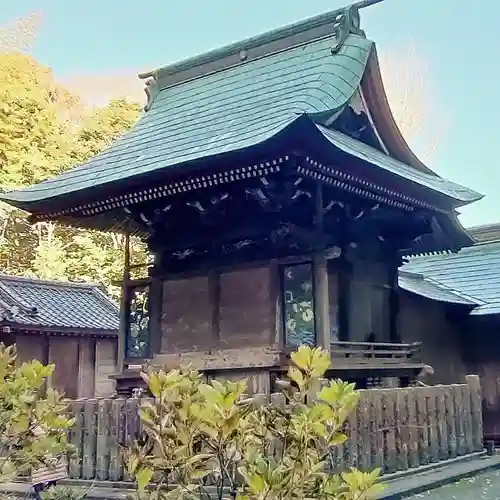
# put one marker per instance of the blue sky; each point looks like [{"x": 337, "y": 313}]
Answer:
[{"x": 454, "y": 37}]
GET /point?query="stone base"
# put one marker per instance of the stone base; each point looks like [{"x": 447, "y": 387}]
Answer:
[{"x": 127, "y": 381}]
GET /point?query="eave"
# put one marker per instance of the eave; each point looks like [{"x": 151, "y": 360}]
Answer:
[
  {"x": 473, "y": 273},
  {"x": 34, "y": 329},
  {"x": 428, "y": 288},
  {"x": 229, "y": 114}
]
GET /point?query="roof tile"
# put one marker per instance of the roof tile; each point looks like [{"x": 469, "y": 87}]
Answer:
[
  {"x": 57, "y": 304},
  {"x": 229, "y": 110},
  {"x": 473, "y": 272}
]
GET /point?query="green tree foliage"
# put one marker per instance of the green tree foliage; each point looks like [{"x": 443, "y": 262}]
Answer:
[
  {"x": 33, "y": 135},
  {"x": 255, "y": 451},
  {"x": 26, "y": 406},
  {"x": 104, "y": 125},
  {"x": 44, "y": 130}
]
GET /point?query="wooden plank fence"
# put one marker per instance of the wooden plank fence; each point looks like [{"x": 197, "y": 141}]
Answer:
[{"x": 395, "y": 429}]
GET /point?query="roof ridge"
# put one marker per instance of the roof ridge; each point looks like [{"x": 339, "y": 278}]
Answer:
[
  {"x": 47, "y": 282},
  {"x": 339, "y": 23}
]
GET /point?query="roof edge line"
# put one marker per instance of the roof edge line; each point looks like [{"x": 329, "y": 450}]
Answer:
[
  {"x": 16, "y": 298},
  {"x": 105, "y": 298},
  {"x": 58, "y": 330},
  {"x": 454, "y": 291},
  {"x": 48, "y": 282},
  {"x": 410, "y": 274},
  {"x": 473, "y": 302}
]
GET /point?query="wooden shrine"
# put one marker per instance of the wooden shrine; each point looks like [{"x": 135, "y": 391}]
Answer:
[{"x": 277, "y": 199}]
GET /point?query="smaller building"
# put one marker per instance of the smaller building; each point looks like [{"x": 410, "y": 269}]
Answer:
[
  {"x": 73, "y": 325},
  {"x": 451, "y": 303}
]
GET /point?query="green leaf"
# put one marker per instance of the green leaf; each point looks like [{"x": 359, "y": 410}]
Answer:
[
  {"x": 321, "y": 363},
  {"x": 199, "y": 474},
  {"x": 196, "y": 459},
  {"x": 143, "y": 477},
  {"x": 338, "y": 439},
  {"x": 296, "y": 375},
  {"x": 302, "y": 357},
  {"x": 257, "y": 483}
]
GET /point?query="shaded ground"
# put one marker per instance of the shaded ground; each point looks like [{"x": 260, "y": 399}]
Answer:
[{"x": 484, "y": 486}]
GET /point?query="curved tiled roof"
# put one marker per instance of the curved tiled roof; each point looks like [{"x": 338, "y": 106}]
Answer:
[
  {"x": 57, "y": 304},
  {"x": 472, "y": 273},
  {"x": 229, "y": 100},
  {"x": 226, "y": 111}
]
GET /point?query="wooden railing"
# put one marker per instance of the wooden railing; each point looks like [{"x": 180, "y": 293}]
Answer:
[
  {"x": 376, "y": 353},
  {"x": 395, "y": 429}
]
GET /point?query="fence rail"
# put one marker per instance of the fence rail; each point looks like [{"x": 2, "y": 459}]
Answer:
[{"x": 395, "y": 429}]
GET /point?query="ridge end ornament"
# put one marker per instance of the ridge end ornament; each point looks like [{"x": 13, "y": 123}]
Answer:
[
  {"x": 152, "y": 89},
  {"x": 348, "y": 22}
]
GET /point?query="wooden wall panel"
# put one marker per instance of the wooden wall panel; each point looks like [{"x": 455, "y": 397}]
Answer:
[
  {"x": 86, "y": 368},
  {"x": 63, "y": 353},
  {"x": 105, "y": 365},
  {"x": 187, "y": 315},
  {"x": 31, "y": 347},
  {"x": 425, "y": 321},
  {"x": 245, "y": 312},
  {"x": 369, "y": 302}
]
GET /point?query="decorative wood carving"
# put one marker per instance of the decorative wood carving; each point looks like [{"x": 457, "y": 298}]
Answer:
[{"x": 279, "y": 192}]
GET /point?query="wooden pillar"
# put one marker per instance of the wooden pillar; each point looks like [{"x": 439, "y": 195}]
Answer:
[
  {"x": 214, "y": 290},
  {"x": 122, "y": 336},
  {"x": 45, "y": 340},
  {"x": 155, "y": 310},
  {"x": 394, "y": 334},
  {"x": 344, "y": 296},
  {"x": 476, "y": 405},
  {"x": 321, "y": 301},
  {"x": 277, "y": 334},
  {"x": 320, "y": 280}
]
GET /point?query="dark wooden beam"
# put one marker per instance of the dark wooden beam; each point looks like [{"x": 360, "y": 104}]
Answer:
[
  {"x": 155, "y": 306},
  {"x": 394, "y": 263},
  {"x": 320, "y": 269},
  {"x": 122, "y": 336},
  {"x": 214, "y": 288}
]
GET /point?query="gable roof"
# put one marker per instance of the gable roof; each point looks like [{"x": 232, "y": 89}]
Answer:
[
  {"x": 232, "y": 99},
  {"x": 473, "y": 273},
  {"x": 57, "y": 304}
]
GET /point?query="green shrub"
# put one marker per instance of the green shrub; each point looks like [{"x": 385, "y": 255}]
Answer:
[
  {"x": 63, "y": 493},
  {"x": 25, "y": 405},
  {"x": 250, "y": 449}
]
